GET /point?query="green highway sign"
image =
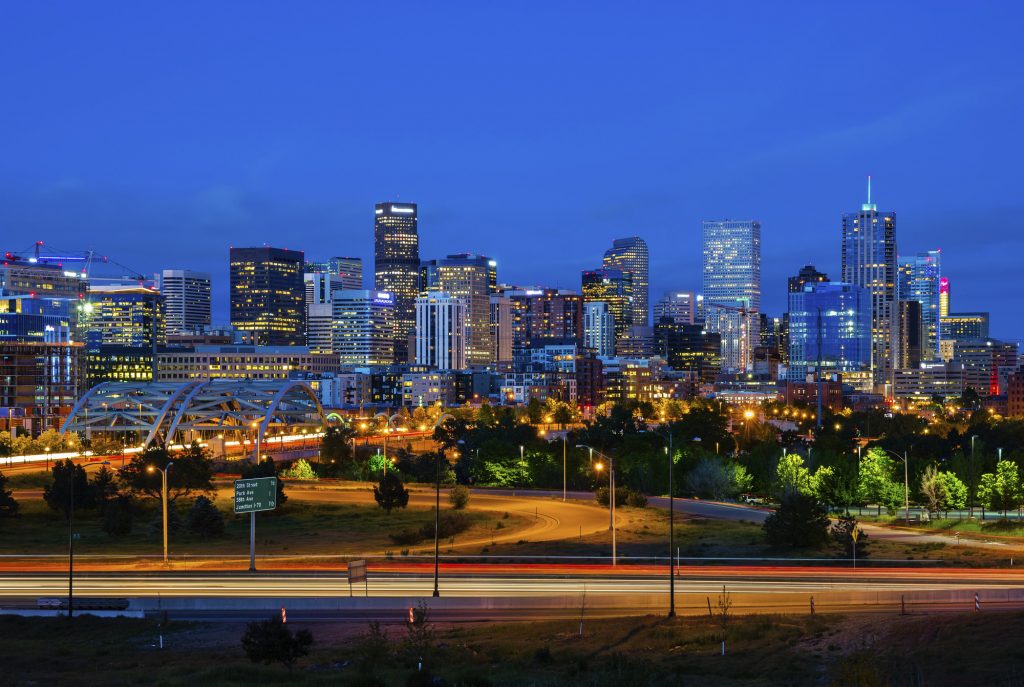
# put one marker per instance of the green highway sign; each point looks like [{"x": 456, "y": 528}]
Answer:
[{"x": 255, "y": 494}]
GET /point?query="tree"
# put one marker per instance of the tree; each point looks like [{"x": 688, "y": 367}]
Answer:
[
  {"x": 792, "y": 475},
  {"x": 205, "y": 519},
  {"x": 709, "y": 478},
  {"x": 104, "y": 487},
  {"x": 933, "y": 489},
  {"x": 833, "y": 487},
  {"x": 335, "y": 446},
  {"x": 118, "y": 516},
  {"x": 458, "y": 497},
  {"x": 192, "y": 472},
  {"x": 8, "y": 505},
  {"x": 266, "y": 468},
  {"x": 740, "y": 481},
  {"x": 391, "y": 493},
  {"x": 1000, "y": 490},
  {"x": 271, "y": 641},
  {"x": 842, "y": 532},
  {"x": 956, "y": 491},
  {"x": 876, "y": 484},
  {"x": 801, "y": 521},
  {"x": 57, "y": 493},
  {"x": 6, "y": 444}
]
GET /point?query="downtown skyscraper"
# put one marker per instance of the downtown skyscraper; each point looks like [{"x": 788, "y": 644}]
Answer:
[
  {"x": 473, "y": 279},
  {"x": 396, "y": 266},
  {"x": 920, "y": 279},
  {"x": 732, "y": 287},
  {"x": 631, "y": 255},
  {"x": 268, "y": 298},
  {"x": 187, "y": 295},
  {"x": 869, "y": 260}
]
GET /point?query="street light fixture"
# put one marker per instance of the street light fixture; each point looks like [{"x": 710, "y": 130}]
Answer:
[
  {"x": 163, "y": 497},
  {"x": 906, "y": 483},
  {"x": 611, "y": 495}
]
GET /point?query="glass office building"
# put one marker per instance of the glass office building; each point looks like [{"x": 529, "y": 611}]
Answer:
[
  {"x": 732, "y": 287},
  {"x": 829, "y": 322}
]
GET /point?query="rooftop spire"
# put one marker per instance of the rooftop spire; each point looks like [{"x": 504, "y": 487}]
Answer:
[{"x": 868, "y": 206}]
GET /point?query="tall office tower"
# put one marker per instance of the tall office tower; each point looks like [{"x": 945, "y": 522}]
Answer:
[
  {"x": 396, "y": 266},
  {"x": 806, "y": 275},
  {"x": 680, "y": 306},
  {"x": 544, "y": 314},
  {"x": 869, "y": 260},
  {"x": 319, "y": 309},
  {"x": 732, "y": 287},
  {"x": 364, "y": 327},
  {"x": 187, "y": 295},
  {"x": 630, "y": 255},
  {"x": 42, "y": 369},
  {"x": 943, "y": 297},
  {"x": 123, "y": 326},
  {"x": 599, "y": 328},
  {"x": 919, "y": 281},
  {"x": 471, "y": 278},
  {"x": 502, "y": 330},
  {"x": 688, "y": 348},
  {"x": 910, "y": 350},
  {"x": 830, "y": 322},
  {"x": 987, "y": 364},
  {"x": 268, "y": 296},
  {"x": 441, "y": 330},
  {"x": 614, "y": 287},
  {"x": 348, "y": 270}
]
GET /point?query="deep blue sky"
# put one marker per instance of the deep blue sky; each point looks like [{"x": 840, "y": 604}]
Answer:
[{"x": 534, "y": 132}]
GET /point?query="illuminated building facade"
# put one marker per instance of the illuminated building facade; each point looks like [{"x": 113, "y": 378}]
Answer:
[
  {"x": 441, "y": 331},
  {"x": 397, "y": 267},
  {"x": 830, "y": 322},
  {"x": 920, "y": 281},
  {"x": 364, "y": 327},
  {"x": 349, "y": 271},
  {"x": 679, "y": 306},
  {"x": 599, "y": 328},
  {"x": 688, "y": 348},
  {"x": 732, "y": 287},
  {"x": 869, "y": 260},
  {"x": 471, "y": 278},
  {"x": 630, "y": 255},
  {"x": 267, "y": 295},
  {"x": 614, "y": 288},
  {"x": 242, "y": 362},
  {"x": 187, "y": 299},
  {"x": 41, "y": 278},
  {"x": 544, "y": 314}
]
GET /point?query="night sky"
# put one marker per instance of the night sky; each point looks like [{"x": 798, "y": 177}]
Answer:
[{"x": 534, "y": 132}]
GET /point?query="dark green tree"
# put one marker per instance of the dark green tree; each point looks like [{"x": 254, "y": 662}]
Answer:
[
  {"x": 192, "y": 472},
  {"x": 118, "y": 516},
  {"x": 104, "y": 486},
  {"x": 267, "y": 468},
  {"x": 271, "y": 641},
  {"x": 391, "y": 493},
  {"x": 57, "y": 493},
  {"x": 205, "y": 519},
  {"x": 336, "y": 447},
  {"x": 8, "y": 505},
  {"x": 801, "y": 521}
]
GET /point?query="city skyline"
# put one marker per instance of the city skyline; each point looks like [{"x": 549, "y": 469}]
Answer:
[{"x": 290, "y": 163}]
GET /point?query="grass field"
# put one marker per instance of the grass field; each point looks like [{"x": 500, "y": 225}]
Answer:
[
  {"x": 944, "y": 650},
  {"x": 300, "y": 527}
]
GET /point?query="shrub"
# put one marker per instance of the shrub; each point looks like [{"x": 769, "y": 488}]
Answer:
[
  {"x": 408, "y": 537},
  {"x": 8, "y": 506},
  {"x": 449, "y": 524},
  {"x": 636, "y": 499},
  {"x": 300, "y": 469},
  {"x": 271, "y": 641},
  {"x": 174, "y": 523},
  {"x": 601, "y": 496},
  {"x": 458, "y": 497},
  {"x": 205, "y": 519}
]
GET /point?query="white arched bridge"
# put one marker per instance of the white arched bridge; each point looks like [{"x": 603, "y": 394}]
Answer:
[{"x": 172, "y": 412}]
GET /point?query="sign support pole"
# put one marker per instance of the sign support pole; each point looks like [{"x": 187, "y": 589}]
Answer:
[{"x": 252, "y": 541}]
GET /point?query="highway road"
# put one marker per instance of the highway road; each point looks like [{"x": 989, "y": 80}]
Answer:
[{"x": 326, "y": 597}]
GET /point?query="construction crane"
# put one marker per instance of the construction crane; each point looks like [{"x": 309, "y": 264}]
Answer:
[{"x": 87, "y": 258}]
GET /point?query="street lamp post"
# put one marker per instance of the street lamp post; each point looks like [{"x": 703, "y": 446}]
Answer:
[
  {"x": 611, "y": 496},
  {"x": 671, "y": 533},
  {"x": 163, "y": 497},
  {"x": 437, "y": 527},
  {"x": 970, "y": 491},
  {"x": 71, "y": 535},
  {"x": 906, "y": 483},
  {"x": 565, "y": 481}
]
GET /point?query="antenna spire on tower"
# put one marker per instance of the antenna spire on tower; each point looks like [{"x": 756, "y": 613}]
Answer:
[{"x": 869, "y": 189}]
